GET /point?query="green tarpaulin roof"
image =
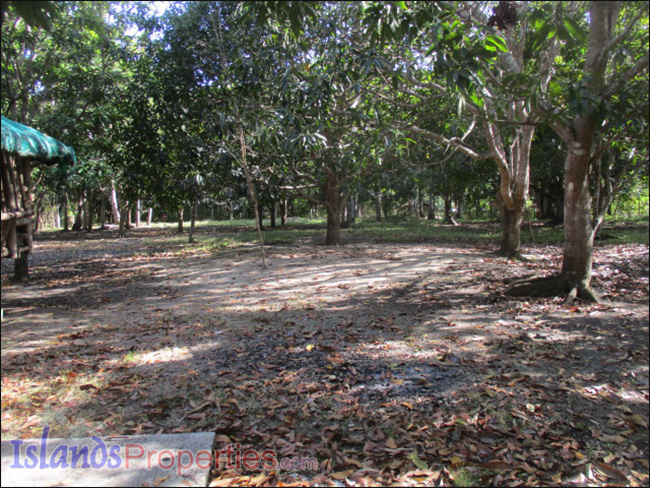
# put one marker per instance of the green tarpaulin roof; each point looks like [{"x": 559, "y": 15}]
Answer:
[{"x": 24, "y": 141}]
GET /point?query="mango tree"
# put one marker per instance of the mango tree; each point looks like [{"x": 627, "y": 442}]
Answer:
[{"x": 590, "y": 112}]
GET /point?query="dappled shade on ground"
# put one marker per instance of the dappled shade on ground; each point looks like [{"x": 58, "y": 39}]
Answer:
[{"x": 385, "y": 362}]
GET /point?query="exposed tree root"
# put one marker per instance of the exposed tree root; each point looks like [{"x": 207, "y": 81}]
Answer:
[
  {"x": 514, "y": 255},
  {"x": 552, "y": 286},
  {"x": 449, "y": 220}
]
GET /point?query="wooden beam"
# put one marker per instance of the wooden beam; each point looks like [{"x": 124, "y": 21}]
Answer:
[{"x": 16, "y": 215}]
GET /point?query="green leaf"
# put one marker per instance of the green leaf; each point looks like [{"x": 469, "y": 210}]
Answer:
[
  {"x": 417, "y": 461},
  {"x": 478, "y": 101},
  {"x": 402, "y": 5},
  {"x": 496, "y": 42},
  {"x": 575, "y": 29}
]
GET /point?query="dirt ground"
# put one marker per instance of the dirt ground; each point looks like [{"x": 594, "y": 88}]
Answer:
[{"x": 386, "y": 363}]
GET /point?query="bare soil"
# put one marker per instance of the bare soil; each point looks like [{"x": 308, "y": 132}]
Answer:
[{"x": 386, "y": 363}]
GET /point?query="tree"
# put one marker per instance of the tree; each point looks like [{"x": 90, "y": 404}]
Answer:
[
  {"x": 475, "y": 56},
  {"x": 328, "y": 116},
  {"x": 589, "y": 116},
  {"x": 35, "y": 14}
]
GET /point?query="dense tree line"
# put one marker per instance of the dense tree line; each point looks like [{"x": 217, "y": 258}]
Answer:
[{"x": 429, "y": 109}]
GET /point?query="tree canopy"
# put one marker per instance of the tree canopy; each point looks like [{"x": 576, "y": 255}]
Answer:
[{"x": 331, "y": 102}]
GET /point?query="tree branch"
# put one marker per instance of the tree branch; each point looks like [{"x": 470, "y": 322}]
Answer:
[
  {"x": 614, "y": 86},
  {"x": 626, "y": 31},
  {"x": 454, "y": 142}
]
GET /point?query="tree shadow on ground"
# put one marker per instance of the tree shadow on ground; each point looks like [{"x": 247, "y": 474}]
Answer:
[{"x": 359, "y": 379}]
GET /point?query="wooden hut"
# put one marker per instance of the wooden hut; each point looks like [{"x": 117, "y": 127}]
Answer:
[{"x": 23, "y": 147}]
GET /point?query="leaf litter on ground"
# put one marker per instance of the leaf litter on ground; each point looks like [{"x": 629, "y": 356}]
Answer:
[{"x": 387, "y": 363}]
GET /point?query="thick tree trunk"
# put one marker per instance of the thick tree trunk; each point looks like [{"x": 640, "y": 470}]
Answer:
[
  {"x": 511, "y": 232},
  {"x": 333, "y": 236},
  {"x": 578, "y": 231},
  {"x": 574, "y": 280}
]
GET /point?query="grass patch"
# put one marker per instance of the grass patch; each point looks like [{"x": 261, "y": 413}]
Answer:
[
  {"x": 415, "y": 230},
  {"x": 464, "y": 477},
  {"x": 130, "y": 357},
  {"x": 219, "y": 236}
]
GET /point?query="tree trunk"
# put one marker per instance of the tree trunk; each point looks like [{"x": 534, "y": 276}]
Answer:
[
  {"x": 284, "y": 207},
  {"x": 88, "y": 212},
  {"x": 378, "y": 207},
  {"x": 192, "y": 223},
  {"x": 128, "y": 214},
  {"x": 180, "y": 220},
  {"x": 578, "y": 135},
  {"x": 115, "y": 208},
  {"x": 352, "y": 215},
  {"x": 66, "y": 212},
  {"x": 259, "y": 215},
  {"x": 102, "y": 210},
  {"x": 387, "y": 207},
  {"x": 272, "y": 208},
  {"x": 449, "y": 218},
  {"x": 334, "y": 204},
  {"x": 578, "y": 231},
  {"x": 149, "y": 216},
  {"x": 511, "y": 232},
  {"x": 78, "y": 222},
  {"x": 122, "y": 221},
  {"x": 333, "y": 237},
  {"x": 138, "y": 210}
]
